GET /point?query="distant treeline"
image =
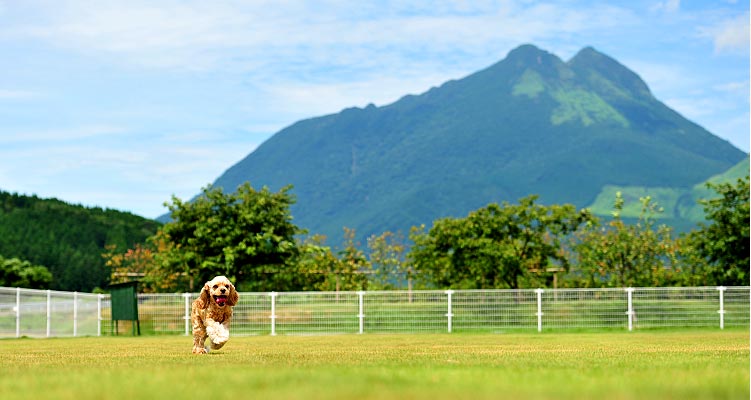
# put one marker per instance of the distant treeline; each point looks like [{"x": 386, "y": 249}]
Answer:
[
  {"x": 67, "y": 239},
  {"x": 249, "y": 236}
]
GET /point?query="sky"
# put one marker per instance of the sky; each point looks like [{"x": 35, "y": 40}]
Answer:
[{"x": 124, "y": 104}]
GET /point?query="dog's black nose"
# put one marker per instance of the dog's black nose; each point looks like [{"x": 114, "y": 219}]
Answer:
[{"x": 224, "y": 290}]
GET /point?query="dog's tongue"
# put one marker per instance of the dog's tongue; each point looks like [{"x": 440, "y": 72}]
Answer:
[{"x": 221, "y": 300}]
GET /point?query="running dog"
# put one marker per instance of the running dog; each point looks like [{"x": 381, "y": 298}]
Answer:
[{"x": 211, "y": 315}]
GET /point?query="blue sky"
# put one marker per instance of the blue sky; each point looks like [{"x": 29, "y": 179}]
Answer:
[{"x": 122, "y": 104}]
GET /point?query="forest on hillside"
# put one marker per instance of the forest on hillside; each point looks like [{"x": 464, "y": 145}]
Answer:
[{"x": 68, "y": 240}]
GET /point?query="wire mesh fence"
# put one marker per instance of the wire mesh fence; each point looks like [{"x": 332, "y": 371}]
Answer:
[
  {"x": 493, "y": 310},
  {"x": 44, "y": 313},
  {"x": 47, "y": 313},
  {"x": 585, "y": 309}
]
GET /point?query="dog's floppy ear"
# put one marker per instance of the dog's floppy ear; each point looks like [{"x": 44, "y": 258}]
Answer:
[
  {"x": 233, "y": 297},
  {"x": 205, "y": 298}
]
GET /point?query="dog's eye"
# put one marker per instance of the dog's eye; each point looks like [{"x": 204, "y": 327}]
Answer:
[{"x": 216, "y": 286}]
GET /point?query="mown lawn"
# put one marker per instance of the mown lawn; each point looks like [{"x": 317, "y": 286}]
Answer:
[{"x": 604, "y": 365}]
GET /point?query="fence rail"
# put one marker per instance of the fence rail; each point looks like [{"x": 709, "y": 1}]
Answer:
[{"x": 45, "y": 313}]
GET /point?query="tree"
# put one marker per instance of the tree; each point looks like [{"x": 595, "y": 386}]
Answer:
[
  {"x": 315, "y": 263},
  {"x": 247, "y": 236},
  {"x": 144, "y": 263},
  {"x": 21, "y": 273},
  {"x": 622, "y": 255},
  {"x": 496, "y": 246},
  {"x": 353, "y": 265},
  {"x": 723, "y": 244},
  {"x": 321, "y": 269},
  {"x": 387, "y": 259}
]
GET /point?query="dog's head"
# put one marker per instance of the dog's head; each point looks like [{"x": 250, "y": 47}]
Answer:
[{"x": 219, "y": 291}]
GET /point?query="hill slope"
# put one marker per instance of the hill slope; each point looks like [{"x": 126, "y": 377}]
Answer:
[
  {"x": 530, "y": 124},
  {"x": 681, "y": 204},
  {"x": 67, "y": 239}
]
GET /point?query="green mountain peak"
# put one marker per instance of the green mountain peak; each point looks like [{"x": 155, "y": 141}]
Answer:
[
  {"x": 607, "y": 76},
  {"x": 528, "y": 124}
]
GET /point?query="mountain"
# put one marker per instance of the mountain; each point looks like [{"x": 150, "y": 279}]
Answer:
[
  {"x": 67, "y": 239},
  {"x": 529, "y": 124}
]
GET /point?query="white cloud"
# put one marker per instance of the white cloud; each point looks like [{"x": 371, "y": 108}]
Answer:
[
  {"x": 730, "y": 35},
  {"x": 737, "y": 88},
  {"x": 668, "y": 6},
  {"x": 197, "y": 35},
  {"x": 166, "y": 33}
]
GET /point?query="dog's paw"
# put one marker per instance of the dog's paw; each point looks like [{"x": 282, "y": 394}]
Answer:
[
  {"x": 217, "y": 333},
  {"x": 212, "y": 331},
  {"x": 199, "y": 350},
  {"x": 222, "y": 331},
  {"x": 222, "y": 335}
]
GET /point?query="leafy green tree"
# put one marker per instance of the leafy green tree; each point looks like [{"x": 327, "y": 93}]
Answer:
[
  {"x": 388, "y": 260},
  {"x": 353, "y": 265},
  {"x": 622, "y": 255},
  {"x": 723, "y": 244},
  {"x": 247, "y": 236},
  {"x": 315, "y": 263},
  {"x": 144, "y": 263},
  {"x": 496, "y": 246},
  {"x": 18, "y": 273},
  {"x": 320, "y": 269}
]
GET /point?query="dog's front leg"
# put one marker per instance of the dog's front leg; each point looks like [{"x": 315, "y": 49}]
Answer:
[
  {"x": 199, "y": 337},
  {"x": 218, "y": 333},
  {"x": 223, "y": 332},
  {"x": 221, "y": 336}
]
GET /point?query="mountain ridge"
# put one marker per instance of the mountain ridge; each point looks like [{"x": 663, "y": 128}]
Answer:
[{"x": 528, "y": 124}]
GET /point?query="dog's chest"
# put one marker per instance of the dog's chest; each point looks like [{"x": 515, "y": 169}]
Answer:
[{"x": 219, "y": 315}]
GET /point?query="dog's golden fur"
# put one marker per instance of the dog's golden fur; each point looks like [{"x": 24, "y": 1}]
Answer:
[{"x": 211, "y": 314}]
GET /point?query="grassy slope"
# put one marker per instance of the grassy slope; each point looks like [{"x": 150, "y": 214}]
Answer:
[
  {"x": 679, "y": 203},
  {"x": 638, "y": 365}
]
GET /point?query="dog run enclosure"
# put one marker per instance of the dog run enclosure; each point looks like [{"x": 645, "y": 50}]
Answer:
[{"x": 45, "y": 313}]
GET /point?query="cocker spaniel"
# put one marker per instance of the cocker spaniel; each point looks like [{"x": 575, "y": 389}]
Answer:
[{"x": 211, "y": 314}]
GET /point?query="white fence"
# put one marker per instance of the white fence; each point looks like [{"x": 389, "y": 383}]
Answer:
[{"x": 44, "y": 313}]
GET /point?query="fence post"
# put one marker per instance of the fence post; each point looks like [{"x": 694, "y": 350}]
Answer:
[
  {"x": 361, "y": 316},
  {"x": 539, "y": 309},
  {"x": 630, "y": 311},
  {"x": 99, "y": 298},
  {"x": 722, "y": 289},
  {"x": 273, "y": 312},
  {"x": 449, "y": 314},
  {"x": 187, "y": 313},
  {"x": 49, "y": 309},
  {"x": 18, "y": 312},
  {"x": 75, "y": 314}
]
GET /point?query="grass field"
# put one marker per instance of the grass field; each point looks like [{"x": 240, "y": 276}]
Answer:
[{"x": 621, "y": 365}]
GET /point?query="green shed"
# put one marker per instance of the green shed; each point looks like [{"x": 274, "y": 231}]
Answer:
[{"x": 124, "y": 298}]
